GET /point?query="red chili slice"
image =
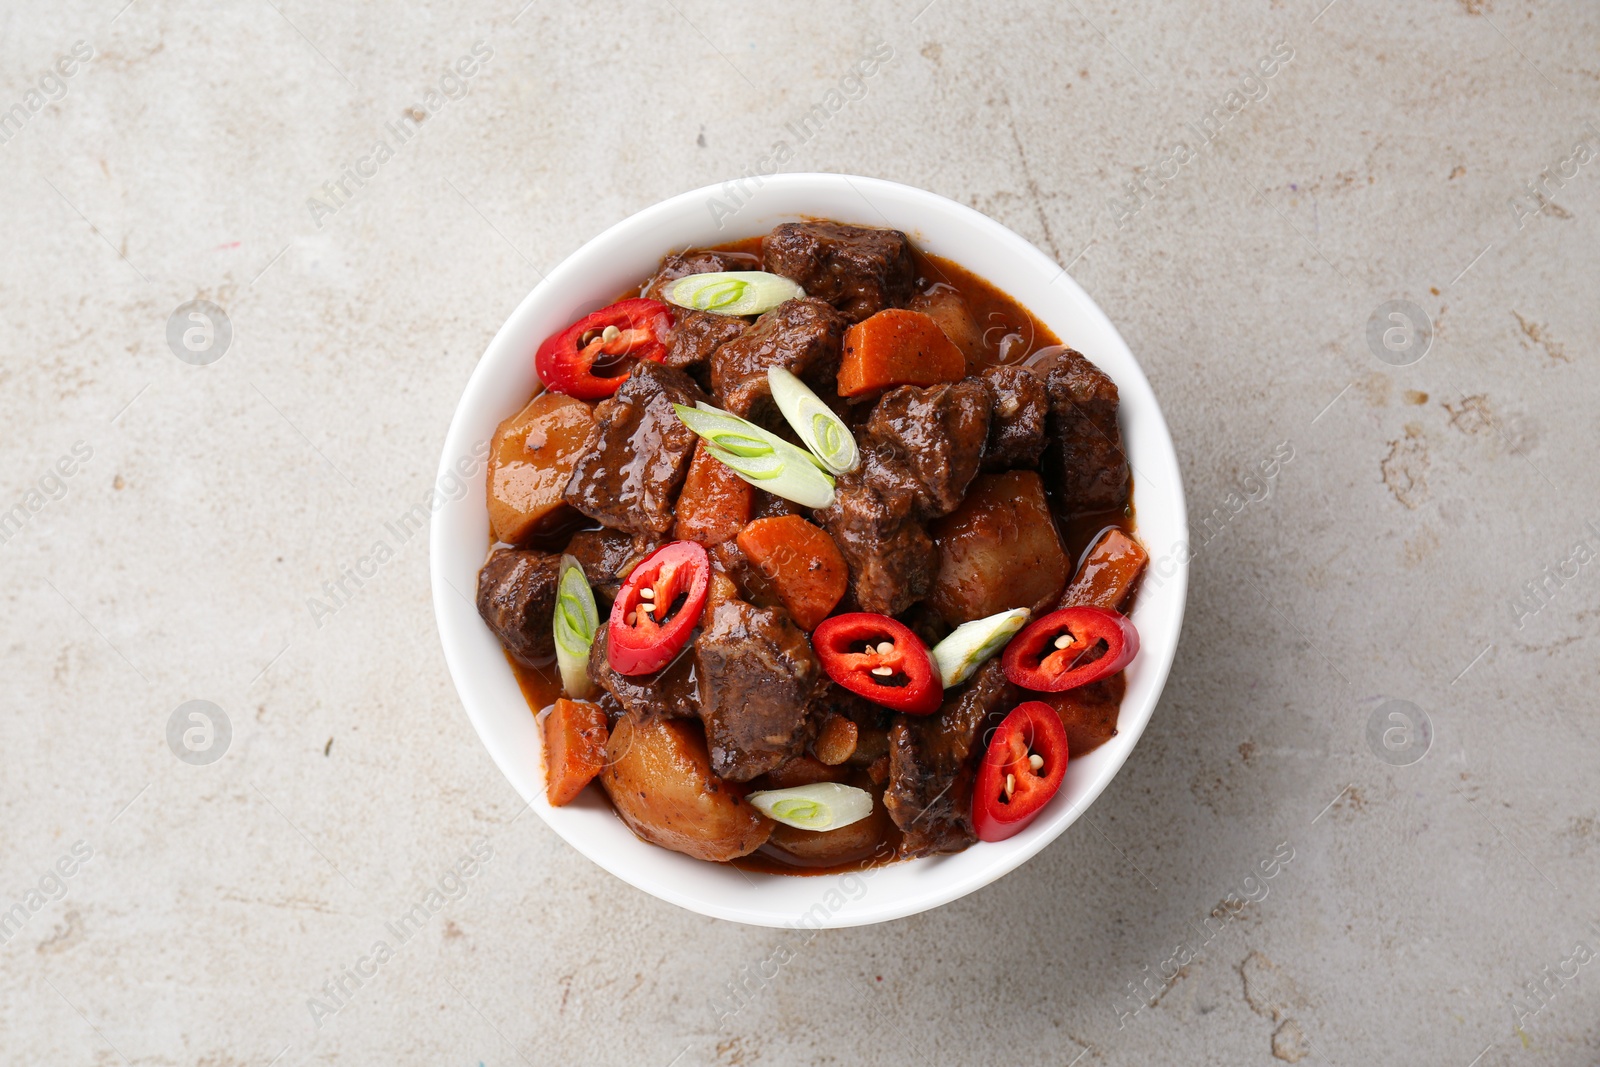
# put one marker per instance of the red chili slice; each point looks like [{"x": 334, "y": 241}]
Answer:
[
  {"x": 1050, "y": 655},
  {"x": 613, "y": 338},
  {"x": 647, "y": 631},
  {"x": 1009, "y": 791},
  {"x": 900, "y": 676}
]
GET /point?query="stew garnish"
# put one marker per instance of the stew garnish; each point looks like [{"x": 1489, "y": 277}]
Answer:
[
  {"x": 1058, "y": 652},
  {"x": 591, "y": 358},
  {"x": 1023, "y": 768},
  {"x": 881, "y": 659},
  {"x": 657, "y": 608}
]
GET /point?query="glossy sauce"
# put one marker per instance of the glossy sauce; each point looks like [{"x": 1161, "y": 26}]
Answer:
[{"x": 540, "y": 685}]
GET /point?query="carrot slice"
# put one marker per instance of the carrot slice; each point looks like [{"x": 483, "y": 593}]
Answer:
[
  {"x": 715, "y": 503},
  {"x": 897, "y": 347},
  {"x": 801, "y": 561},
  {"x": 1109, "y": 571},
  {"x": 574, "y": 748}
]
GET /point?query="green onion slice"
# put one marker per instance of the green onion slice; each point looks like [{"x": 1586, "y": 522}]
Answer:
[
  {"x": 823, "y": 806},
  {"x": 829, "y": 439},
  {"x": 732, "y": 292},
  {"x": 576, "y": 621},
  {"x": 969, "y": 644},
  {"x": 761, "y": 458}
]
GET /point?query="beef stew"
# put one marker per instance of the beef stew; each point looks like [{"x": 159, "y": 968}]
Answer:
[{"x": 972, "y": 495}]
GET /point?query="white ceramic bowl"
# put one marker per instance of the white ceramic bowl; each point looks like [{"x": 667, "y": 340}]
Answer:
[{"x": 618, "y": 259}]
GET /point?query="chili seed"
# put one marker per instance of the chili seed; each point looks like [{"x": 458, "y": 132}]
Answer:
[
  {"x": 1036, "y": 761},
  {"x": 646, "y": 607},
  {"x": 633, "y": 618},
  {"x": 609, "y": 334},
  {"x": 1011, "y": 784},
  {"x": 885, "y": 647},
  {"x": 1064, "y": 640},
  {"x": 647, "y": 593},
  {"x": 883, "y": 672}
]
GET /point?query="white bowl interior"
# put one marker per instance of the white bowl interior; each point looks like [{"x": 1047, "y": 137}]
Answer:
[{"x": 622, "y": 256}]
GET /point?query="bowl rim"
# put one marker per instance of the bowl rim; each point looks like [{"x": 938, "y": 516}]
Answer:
[{"x": 456, "y": 638}]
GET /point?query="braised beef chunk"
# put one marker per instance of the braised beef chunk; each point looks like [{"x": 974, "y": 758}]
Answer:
[
  {"x": 771, "y": 506},
  {"x": 666, "y": 694},
  {"x": 920, "y": 449},
  {"x": 858, "y": 270},
  {"x": 757, "y": 674},
  {"x": 1084, "y": 459},
  {"x": 803, "y": 336},
  {"x": 698, "y": 334},
  {"x": 638, "y": 452},
  {"x": 517, "y": 598},
  {"x": 607, "y": 556},
  {"x": 696, "y": 261},
  {"x": 933, "y": 759},
  {"x": 1016, "y": 427},
  {"x": 933, "y": 438},
  {"x": 873, "y": 520}
]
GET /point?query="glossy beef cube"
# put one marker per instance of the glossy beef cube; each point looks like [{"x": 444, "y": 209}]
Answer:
[
  {"x": 638, "y": 452},
  {"x": 1084, "y": 460},
  {"x": 920, "y": 451},
  {"x": 1017, "y": 424},
  {"x": 517, "y": 598},
  {"x": 858, "y": 270},
  {"x": 757, "y": 674},
  {"x": 802, "y": 336},
  {"x": 933, "y": 760},
  {"x": 873, "y": 520},
  {"x": 607, "y": 556},
  {"x": 695, "y": 261},
  {"x": 933, "y": 438},
  {"x": 665, "y": 694},
  {"x": 696, "y": 336}
]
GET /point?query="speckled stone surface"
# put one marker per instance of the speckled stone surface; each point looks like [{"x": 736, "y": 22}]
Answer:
[{"x": 1426, "y": 534}]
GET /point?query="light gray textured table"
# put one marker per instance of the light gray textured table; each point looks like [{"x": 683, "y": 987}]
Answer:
[{"x": 1438, "y": 153}]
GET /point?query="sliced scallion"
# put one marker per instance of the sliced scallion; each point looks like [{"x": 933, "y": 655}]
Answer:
[
  {"x": 733, "y": 292},
  {"x": 822, "y": 806},
  {"x": 575, "y": 623},
  {"x": 759, "y": 457},
  {"x": 829, "y": 439},
  {"x": 969, "y": 644}
]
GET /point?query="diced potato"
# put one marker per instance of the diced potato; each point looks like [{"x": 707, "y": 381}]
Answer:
[
  {"x": 530, "y": 459},
  {"x": 659, "y": 780},
  {"x": 830, "y": 848},
  {"x": 946, "y": 306},
  {"x": 999, "y": 550}
]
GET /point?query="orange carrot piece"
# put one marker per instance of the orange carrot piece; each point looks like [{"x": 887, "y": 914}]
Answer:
[
  {"x": 575, "y": 737},
  {"x": 1109, "y": 572},
  {"x": 715, "y": 503},
  {"x": 897, "y": 347},
  {"x": 801, "y": 561}
]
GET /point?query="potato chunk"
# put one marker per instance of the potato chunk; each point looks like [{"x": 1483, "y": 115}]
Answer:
[
  {"x": 832, "y": 848},
  {"x": 999, "y": 550},
  {"x": 659, "y": 780},
  {"x": 530, "y": 459}
]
